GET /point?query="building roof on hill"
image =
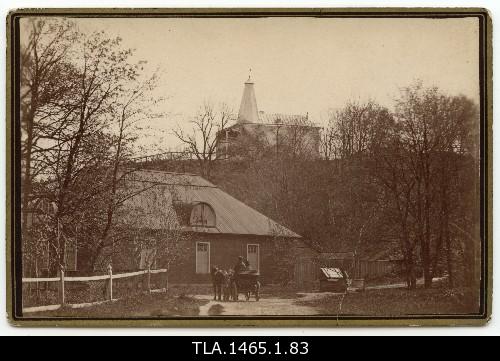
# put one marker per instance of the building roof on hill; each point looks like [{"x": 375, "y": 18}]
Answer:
[
  {"x": 158, "y": 192},
  {"x": 287, "y": 119},
  {"x": 249, "y": 112}
]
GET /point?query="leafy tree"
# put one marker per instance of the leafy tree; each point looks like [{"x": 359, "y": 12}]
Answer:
[{"x": 83, "y": 98}]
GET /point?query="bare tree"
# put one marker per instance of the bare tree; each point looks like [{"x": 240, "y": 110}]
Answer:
[
  {"x": 136, "y": 106},
  {"x": 42, "y": 91},
  {"x": 352, "y": 129},
  {"x": 300, "y": 139},
  {"x": 201, "y": 142},
  {"x": 101, "y": 77},
  {"x": 81, "y": 98},
  {"x": 327, "y": 143},
  {"x": 397, "y": 186},
  {"x": 430, "y": 129}
]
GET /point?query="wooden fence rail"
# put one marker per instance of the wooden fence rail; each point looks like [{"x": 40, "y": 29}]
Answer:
[{"x": 62, "y": 280}]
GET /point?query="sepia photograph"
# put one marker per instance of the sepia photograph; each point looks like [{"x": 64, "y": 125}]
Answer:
[{"x": 212, "y": 166}]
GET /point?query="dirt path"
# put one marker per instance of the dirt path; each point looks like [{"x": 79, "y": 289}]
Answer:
[
  {"x": 266, "y": 306},
  {"x": 275, "y": 306}
]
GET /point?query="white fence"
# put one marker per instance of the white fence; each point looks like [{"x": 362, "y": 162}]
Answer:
[{"x": 62, "y": 280}]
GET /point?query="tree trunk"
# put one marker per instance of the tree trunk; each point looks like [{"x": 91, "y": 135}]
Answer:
[
  {"x": 411, "y": 280},
  {"x": 449, "y": 257},
  {"x": 427, "y": 259},
  {"x": 114, "y": 187},
  {"x": 27, "y": 182}
]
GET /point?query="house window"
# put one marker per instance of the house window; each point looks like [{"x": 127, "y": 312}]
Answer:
[
  {"x": 147, "y": 253},
  {"x": 202, "y": 215},
  {"x": 44, "y": 260},
  {"x": 253, "y": 256},
  {"x": 148, "y": 259},
  {"x": 202, "y": 257}
]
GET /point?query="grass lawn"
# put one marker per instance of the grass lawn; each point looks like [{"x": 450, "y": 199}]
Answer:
[
  {"x": 382, "y": 302},
  {"x": 147, "y": 305},
  {"x": 398, "y": 302}
]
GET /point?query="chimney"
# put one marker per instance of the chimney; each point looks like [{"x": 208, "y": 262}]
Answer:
[{"x": 248, "y": 109}]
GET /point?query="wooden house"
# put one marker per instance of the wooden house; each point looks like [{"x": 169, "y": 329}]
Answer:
[{"x": 213, "y": 227}]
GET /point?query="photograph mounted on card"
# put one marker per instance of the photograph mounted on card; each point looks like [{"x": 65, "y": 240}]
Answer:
[{"x": 226, "y": 167}]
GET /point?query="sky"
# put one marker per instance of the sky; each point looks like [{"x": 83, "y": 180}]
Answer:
[{"x": 299, "y": 65}]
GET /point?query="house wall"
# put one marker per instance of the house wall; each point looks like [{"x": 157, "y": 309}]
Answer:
[
  {"x": 224, "y": 253},
  {"x": 277, "y": 258},
  {"x": 306, "y": 139}
]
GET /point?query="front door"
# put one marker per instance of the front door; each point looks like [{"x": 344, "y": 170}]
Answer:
[
  {"x": 202, "y": 257},
  {"x": 253, "y": 256}
]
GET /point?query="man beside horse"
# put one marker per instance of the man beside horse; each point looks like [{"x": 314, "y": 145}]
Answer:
[
  {"x": 222, "y": 284},
  {"x": 225, "y": 282}
]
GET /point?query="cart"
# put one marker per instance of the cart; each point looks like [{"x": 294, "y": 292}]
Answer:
[
  {"x": 247, "y": 283},
  {"x": 333, "y": 280}
]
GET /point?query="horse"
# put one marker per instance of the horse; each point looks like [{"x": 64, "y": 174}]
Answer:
[
  {"x": 224, "y": 284},
  {"x": 221, "y": 280}
]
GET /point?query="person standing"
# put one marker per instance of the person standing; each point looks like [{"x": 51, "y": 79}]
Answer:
[
  {"x": 213, "y": 273},
  {"x": 241, "y": 265}
]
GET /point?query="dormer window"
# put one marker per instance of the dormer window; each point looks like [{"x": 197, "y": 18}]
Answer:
[{"x": 202, "y": 215}]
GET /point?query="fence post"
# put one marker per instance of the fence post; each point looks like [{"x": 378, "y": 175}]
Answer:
[
  {"x": 149, "y": 279},
  {"x": 62, "y": 297},
  {"x": 110, "y": 272}
]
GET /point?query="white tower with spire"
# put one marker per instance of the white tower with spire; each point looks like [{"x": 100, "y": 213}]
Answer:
[
  {"x": 272, "y": 127},
  {"x": 249, "y": 113}
]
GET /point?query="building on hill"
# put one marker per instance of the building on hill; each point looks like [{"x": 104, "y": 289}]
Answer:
[
  {"x": 294, "y": 134},
  {"x": 215, "y": 227}
]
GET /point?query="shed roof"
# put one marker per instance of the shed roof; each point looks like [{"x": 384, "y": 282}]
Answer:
[
  {"x": 158, "y": 191},
  {"x": 337, "y": 255}
]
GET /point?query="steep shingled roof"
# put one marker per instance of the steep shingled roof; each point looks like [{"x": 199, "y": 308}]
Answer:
[
  {"x": 158, "y": 191},
  {"x": 249, "y": 112}
]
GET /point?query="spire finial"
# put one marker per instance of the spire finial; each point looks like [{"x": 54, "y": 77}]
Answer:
[{"x": 249, "y": 75}]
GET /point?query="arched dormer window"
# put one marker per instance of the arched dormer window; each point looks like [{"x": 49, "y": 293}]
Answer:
[{"x": 202, "y": 215}]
